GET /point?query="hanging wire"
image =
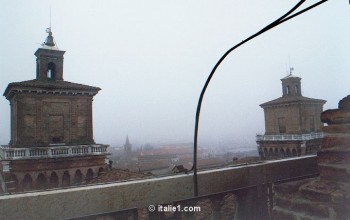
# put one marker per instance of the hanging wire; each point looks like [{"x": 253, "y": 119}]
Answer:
[{"x": 287, "y": 16}]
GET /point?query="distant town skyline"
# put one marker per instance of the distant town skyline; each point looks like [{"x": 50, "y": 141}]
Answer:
[{"x": 152, "y": 59}]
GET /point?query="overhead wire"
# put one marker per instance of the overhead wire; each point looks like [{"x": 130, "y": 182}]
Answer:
[{"x": 287, "y": 16}]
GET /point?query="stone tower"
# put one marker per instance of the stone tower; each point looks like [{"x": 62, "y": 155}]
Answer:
[
  {"x": 52, "y": 141},
  {"x": 292, "y": 123},
  {"x": 127, "y": 146}
]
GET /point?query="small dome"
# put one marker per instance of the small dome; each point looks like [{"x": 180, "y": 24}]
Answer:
[{"x": 49, "y": 42}]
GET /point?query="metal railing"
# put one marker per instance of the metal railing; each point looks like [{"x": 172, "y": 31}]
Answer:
[
  {"x": 7, "y": 153},
  {"x": 290, "y": 137}
]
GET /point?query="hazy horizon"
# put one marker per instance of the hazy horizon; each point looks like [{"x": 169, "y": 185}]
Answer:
[{"x": 152, "y": 58}]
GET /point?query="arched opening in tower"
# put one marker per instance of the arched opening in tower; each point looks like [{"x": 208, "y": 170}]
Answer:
[
  {"x": 51, "y": 71},
  {"x": 41, "y": 181},
  {"x": 27, "y": 183},
  {"x": 53, "y": 180}
]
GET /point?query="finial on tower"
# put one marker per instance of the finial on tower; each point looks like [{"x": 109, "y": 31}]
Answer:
[
  {"x": 49, "y": 39},
  {"x": 50, "y": 42},
  {"x": 291, "y": 69}
]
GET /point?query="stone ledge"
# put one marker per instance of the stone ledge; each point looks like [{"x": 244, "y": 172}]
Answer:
[
  {"x": 337, "y": 128},
  {"x": 319, "y": 198},
  {"x": 335, "y": 172},
  {"x": 282, "y": 214},
  {"x": 304, "y": 206},
  {"x": 290, "y": 187},
  {"x": 333, "y": 156},
  {"x": 336, "y": 116},
  {"x": 330, "y": 141},
  {"x": 295, "y": 201}
]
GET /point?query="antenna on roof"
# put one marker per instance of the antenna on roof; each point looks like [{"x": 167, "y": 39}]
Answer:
[
  {"x": 291, "y": 69},
  {"x": 50, "y": 17},
  {"x": 289, "y": 60}
]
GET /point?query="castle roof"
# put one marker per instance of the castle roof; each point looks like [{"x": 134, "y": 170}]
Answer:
[
  {"x": 292, "y": 100},
  {"x": 49, "y": 86},
  {"x": 290, "y": 76}
]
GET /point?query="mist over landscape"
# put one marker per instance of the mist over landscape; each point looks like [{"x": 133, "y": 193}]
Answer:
[{"x": 152, "y": 58}]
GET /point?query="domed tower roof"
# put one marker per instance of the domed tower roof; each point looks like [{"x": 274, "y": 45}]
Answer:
[{"x": 49, "y": 42}]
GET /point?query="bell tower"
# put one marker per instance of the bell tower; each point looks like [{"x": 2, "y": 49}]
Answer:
[
  {"x": 52, "y": 141},
  {"x": 49, "y": 60},
  {"x": 291, "y": 86}
]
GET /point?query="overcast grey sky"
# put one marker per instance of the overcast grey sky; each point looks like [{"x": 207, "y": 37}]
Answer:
[{"x": 151, "y": 59}]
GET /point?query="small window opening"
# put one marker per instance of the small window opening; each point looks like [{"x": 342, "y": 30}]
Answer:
[
  {"x": 49, "y": 74},
  {"x": 287, "y": 90},
  {"x": 51, "y": 71},
  {"x": 296, "y": 88},
  {"x": 56, "y": 140},
  {"x": 282, "y": 125}
]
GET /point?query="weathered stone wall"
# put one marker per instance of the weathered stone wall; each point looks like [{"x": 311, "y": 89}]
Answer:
[
  {"x": 68, "y": 203},
  {"x": 310, "y": 118},
  {"x": 288, "y": 112},
  {"x": 299, "y": 118},
  {"x": 38, "y": 120}
]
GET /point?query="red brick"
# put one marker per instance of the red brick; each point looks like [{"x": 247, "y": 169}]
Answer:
[
  {"x": 333, "y": 156},
  {"x": 342, "y": 142},
  {"x": 336, "y": 116}
]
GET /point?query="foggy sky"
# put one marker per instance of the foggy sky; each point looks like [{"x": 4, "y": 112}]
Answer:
[{"x": 151, "y": 59}]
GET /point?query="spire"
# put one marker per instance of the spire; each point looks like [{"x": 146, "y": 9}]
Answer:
[
  {"x": 127, "y": 142},
  {"x": 49, "y": 60},
  {"x": 49, "y": 40},
  {"x": 127, "y": 145}
]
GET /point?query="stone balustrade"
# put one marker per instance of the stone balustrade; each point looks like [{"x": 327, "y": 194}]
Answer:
[
  {"x": 290, "y": 137},
  {"x": 7, "y": 153}
]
